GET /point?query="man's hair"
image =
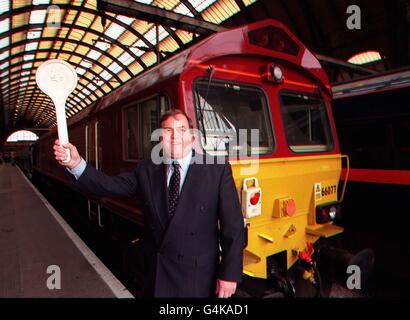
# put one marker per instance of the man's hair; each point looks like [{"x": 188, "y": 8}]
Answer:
[{"x": 174, "y": 112}]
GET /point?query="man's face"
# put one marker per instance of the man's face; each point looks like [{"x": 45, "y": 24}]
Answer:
[{"x": 177, "y": 138}]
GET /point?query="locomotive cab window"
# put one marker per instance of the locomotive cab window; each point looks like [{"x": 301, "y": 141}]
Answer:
[
  {"x": 234, "y": 119},
  {"x": 306, "y": 122},
  {"x": 141, "y": 119}
]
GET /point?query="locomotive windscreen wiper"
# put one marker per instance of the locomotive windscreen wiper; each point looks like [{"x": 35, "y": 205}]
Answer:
[{"x": 201, "y": 109}]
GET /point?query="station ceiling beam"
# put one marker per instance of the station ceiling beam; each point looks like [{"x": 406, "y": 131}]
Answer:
[
  {"x": 344, "y": 65},
  {"x": 157, "y": 15}
]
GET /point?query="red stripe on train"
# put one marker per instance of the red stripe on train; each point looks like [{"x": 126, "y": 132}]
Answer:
[{"x": 379, "y": 176}]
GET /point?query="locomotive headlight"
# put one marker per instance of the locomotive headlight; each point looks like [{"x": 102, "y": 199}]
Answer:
[
  {"x": 327, "y": 212},
  {"x": 273, "y": 73},
  {"x": 277, "y": 73},
  {"x": 332, "y": 212}
]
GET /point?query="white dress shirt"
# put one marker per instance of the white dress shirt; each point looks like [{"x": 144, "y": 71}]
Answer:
[{"x": 184, "y": 166}]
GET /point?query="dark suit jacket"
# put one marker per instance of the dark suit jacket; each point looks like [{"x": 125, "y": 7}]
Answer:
[{"x": 183, "y": 258}]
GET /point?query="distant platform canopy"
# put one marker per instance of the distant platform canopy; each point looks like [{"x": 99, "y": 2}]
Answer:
[
  {"x": 365, "y": 57},
  {"x": 22, "y": 135},
  {"x": 108, "y": 43}
]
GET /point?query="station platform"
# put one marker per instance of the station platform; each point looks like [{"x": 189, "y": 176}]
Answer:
[{"x": 40, "y": 255}]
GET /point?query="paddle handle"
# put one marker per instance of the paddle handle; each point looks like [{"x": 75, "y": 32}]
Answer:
[{"x": 62, "y": 126}]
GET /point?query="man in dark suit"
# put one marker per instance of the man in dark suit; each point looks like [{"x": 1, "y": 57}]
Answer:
[{"x": 193, "y": 225}]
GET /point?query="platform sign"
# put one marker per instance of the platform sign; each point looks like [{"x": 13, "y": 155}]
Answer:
[{"x": 57, "y": 79}]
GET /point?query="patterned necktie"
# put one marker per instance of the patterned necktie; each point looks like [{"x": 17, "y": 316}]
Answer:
[{"x": 173, "y": 189}]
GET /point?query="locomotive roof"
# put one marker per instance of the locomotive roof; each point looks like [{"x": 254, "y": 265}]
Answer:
[{"x": 228, "y": 42}]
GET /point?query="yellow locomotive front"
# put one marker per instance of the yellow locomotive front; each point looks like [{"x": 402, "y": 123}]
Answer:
[
  {"x": 296, "y": 188},
  {"x": 297, "y": 200}
]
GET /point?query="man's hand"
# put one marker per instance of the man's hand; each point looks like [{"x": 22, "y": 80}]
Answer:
[
  {"x": 61, "y": 155},
  {"x": 225, "y": 289}
]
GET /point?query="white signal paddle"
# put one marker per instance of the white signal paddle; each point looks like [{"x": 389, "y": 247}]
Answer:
[{"x": 57, "y": 79}]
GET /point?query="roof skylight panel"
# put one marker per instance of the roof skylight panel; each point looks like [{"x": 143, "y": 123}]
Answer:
[
  {"x": 80, "y": 71},
  {"x": 144, "y": 1},
  {"x": 4, "y": 6},
  {"x": 27, "y": 65},
  {"x": 94, "y": 55},
  {"x": 37, "y": 2},
  {"x": 70, "y": 104},
  {"x": 165, "y": 4},
  {"x": 35, "y": 34},
  {"x": 248, "y": 2},
  {"x": 86, "y": 64},
  {"x": 5, "y": 42},
  {"x": 126, "y": 20},
  {"x": 220, "y": 11},
  {"x": 151, "y": 34},
  {"x": 114, "y": 67},
  {"x": 102, "y": 45},
  {"x": 4, "y": 25},
  {"x": 91, "y": 87},
  {"x": 182, "y": 9},
  {"x": 28, "y": 57},
  {"x": 31, "y": 46},
  {"x": 4, "y": 65},
  {"x": 114, "y": 31},
  {"x": 125, "y": 58},
  {"x": 135, "y": 49},
  {"x": 4, "y": 55},
  {"x": 37, "y": 16},
  {"x": 201, "y": 5},
  {"x": 105, "y": 75}
]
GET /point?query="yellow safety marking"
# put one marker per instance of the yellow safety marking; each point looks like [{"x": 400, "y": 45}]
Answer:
[
  {"x": 265, "y": 237},
  {"x": 248, "y": 273}
]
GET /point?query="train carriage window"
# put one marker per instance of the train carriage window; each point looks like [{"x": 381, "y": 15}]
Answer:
[
  {"x": 131, "y": 120},
  {"x": 141, "y": 119},
  {"x": 149, "y": 122},
  {"x": 226, "y": 115},
  {"x": 306, "y": 123}
]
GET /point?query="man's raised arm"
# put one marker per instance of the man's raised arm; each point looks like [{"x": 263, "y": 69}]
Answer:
[{"x": 90, "y": 180}]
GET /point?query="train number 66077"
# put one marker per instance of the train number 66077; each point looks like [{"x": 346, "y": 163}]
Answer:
[{"x": 326, "y": 191}]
